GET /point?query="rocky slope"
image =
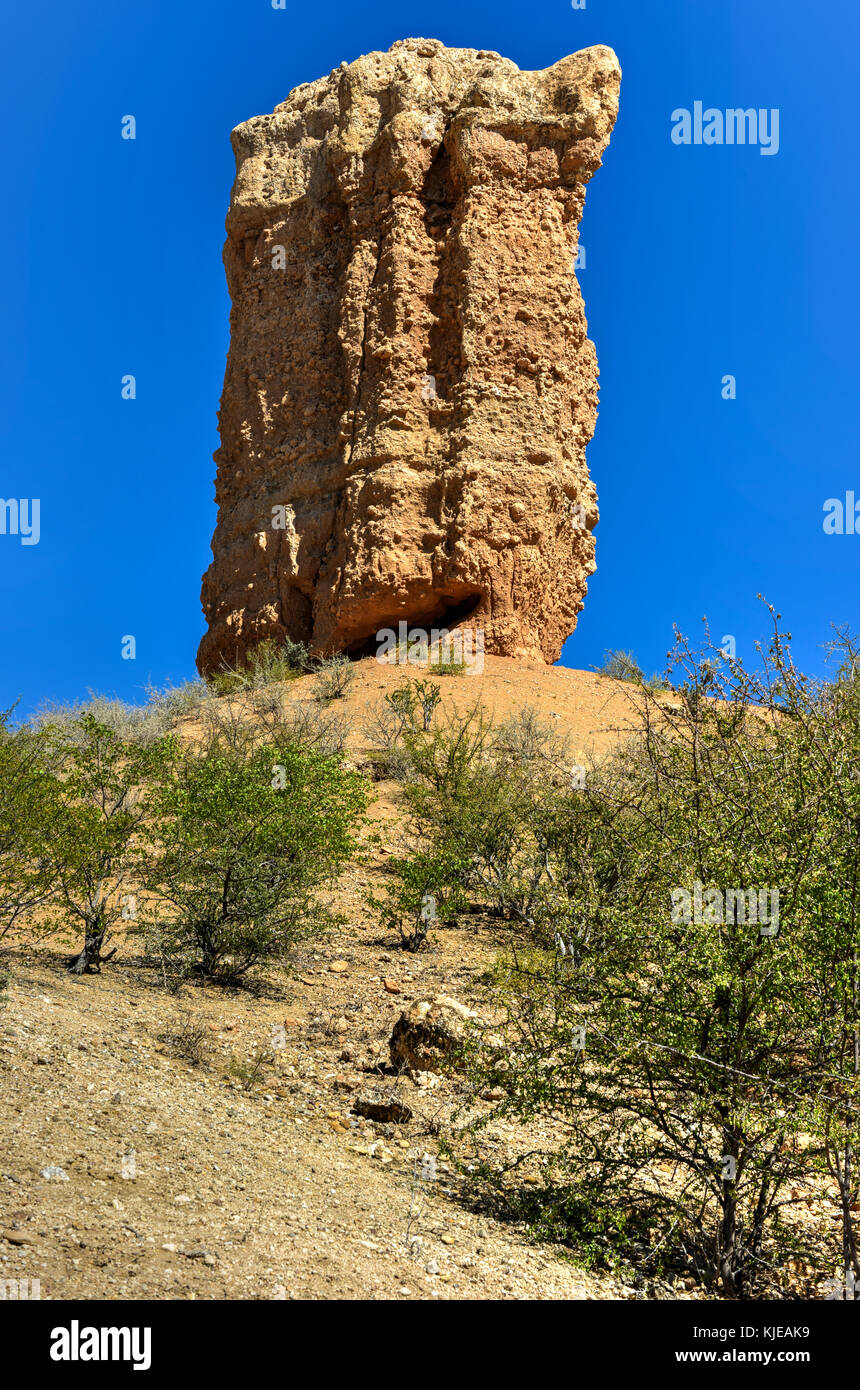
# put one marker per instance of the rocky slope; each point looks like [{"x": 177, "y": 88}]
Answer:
[
  {"x": 217, "y": 1143},
  {"x": 174, "y": 1174}
]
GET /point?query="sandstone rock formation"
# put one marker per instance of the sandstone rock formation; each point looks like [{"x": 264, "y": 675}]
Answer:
[{"x": 410, "y": 388}]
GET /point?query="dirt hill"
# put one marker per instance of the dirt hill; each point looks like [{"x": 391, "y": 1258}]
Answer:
[{"x": 182, "y": 1176}]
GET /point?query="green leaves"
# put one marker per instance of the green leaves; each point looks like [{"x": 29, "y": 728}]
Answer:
[
  {"x": 29, "y": 816},
  {"x": 725, "y": 1032},
  {"x": 103, "y": 828},
  {"x": 245, "y": 837},
  {"x": 217, "y": 850}
]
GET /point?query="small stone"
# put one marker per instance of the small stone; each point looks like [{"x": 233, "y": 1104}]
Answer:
[
  {"x": 53, "y": 1173},
  {"x": 391, "y": 987},
  {"x": 431, "y": 1267},
  {"x": 337, "y": 967},
  {"x": 378, "y": 1103},
  {"x": 17, "y": 1238},
  {"x": 378, "y": 1150}
]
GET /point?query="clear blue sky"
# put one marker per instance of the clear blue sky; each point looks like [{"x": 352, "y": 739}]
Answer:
[{"x": 701, "y": 261}]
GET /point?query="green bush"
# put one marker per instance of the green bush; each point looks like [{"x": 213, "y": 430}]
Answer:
[
  {"x": 30, "y": 801},
  {"x": 483, "y": 805},
  {"x": 102, "y": 829},
  {"x": 487, "y": 799},
  {"x": 425, "y": 891},
  {"x": 269, "y": 661},
  {"x": 410, "y": 709},
  {"x": 697, "y": 1067},
  {"x": 246, "y": 837},
  {"x": 447, "y": 668}
]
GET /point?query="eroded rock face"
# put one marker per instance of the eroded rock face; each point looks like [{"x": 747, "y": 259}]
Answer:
[{"x": 410, "y": 387}]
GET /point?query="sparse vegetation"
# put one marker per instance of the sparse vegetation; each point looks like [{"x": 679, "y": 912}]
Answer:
[
  {"x": 623, "y": 666},
  {"x": 407, "y": 710},
  {"x": 447, "y": 667},
  {"x": 252, "y": 1070},
  {"x": 334, "y": 676},
  {"x": 269, "y": 661},
  {"x": 187, "y": 1039},
  {"x": 262, "y": 716}
]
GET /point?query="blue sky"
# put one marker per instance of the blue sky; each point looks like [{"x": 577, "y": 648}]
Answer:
[{"x": 702, "y": 261}]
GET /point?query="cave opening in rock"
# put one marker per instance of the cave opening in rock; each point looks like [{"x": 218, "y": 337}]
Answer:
[{"x": 431, "y": 619}]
